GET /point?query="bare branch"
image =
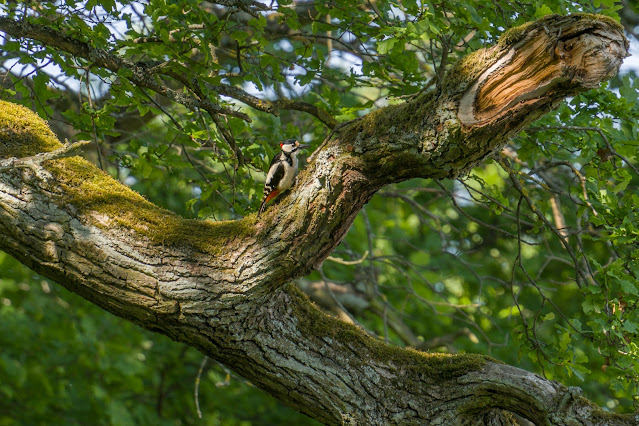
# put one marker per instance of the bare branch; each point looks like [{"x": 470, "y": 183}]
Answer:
[
  {"x": 348, "y": 262},
  {"x": 251, "y": 7},
  {"x": 274, "y": 107}
]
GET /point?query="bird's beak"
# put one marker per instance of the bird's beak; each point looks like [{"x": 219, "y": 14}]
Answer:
[{"x": 303, "y": 146}]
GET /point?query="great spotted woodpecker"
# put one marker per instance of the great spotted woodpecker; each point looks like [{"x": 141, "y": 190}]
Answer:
[{"x": 282, "y": 171}]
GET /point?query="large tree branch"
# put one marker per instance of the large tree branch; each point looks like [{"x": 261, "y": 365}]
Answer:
[{"x": 221, "y": 287}]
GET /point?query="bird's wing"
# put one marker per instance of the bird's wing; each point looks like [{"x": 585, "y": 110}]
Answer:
[
  {"x": 277, "y": 157},
  {"x": 275, "y": 174}
]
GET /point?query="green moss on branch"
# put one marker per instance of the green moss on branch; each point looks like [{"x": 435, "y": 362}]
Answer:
[
  {"x": 417, "y": 365},
  {"x": 23, "y": 133},
  {"x": 104, "y": 202}
]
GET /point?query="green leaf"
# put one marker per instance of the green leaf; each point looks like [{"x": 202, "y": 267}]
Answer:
[
  {"x": 628, "y": 287},
  {"x": 630, "y": 327},
  {"x": 543, "y": 11},
  {"x": 384, "y": 46}
]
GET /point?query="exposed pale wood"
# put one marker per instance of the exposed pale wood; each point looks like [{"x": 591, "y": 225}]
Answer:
[{"x": 557, "y": 52}]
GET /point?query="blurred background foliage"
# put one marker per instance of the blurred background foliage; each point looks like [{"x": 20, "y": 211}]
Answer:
[{"x": 531, "y": 259}]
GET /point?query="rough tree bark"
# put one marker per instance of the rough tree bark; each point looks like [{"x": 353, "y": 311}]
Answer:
[{"x": 223, "y": 287}]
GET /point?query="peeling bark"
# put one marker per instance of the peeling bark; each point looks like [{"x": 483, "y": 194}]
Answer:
[{"x": 222, "y": 287}]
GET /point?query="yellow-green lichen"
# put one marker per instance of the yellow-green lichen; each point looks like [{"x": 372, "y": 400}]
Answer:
[
  {"x": 106, "y": 203},
  {"x": 597, "y": 18},
  {"x": 421, "y": 365},
  {"x": 23, "y": 133},
  {"x": 103, "y": 201},
  {"x": 515, "y": 34}
]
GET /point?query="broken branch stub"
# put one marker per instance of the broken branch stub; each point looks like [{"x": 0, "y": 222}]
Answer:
[{"x": 535, "y": 62}]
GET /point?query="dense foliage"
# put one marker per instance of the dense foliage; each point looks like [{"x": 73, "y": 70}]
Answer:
[{"x": 531, "y": 259}]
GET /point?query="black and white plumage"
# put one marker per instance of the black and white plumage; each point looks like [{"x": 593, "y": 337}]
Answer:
[{"x": 282, "y": 171}]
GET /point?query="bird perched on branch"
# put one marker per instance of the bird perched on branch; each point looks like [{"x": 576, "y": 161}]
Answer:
[{"x": 282, "y": 171}]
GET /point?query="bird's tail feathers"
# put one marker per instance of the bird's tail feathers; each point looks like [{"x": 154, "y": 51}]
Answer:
[
  {"x": 265, "y": 200},
  {"x": 271, "y": 195},
  {"x": 262, "y": 206}
]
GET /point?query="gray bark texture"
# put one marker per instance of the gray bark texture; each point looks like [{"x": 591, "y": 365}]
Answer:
[{"x": 224, "y": 287}]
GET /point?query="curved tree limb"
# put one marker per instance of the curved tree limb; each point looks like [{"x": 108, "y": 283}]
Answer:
[{"x": 222, "y": 287}]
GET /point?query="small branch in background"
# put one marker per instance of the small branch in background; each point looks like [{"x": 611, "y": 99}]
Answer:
[
  {"x": 348, "y": 262},
  {"x": 206, "y": 179},
  {"x": 196, "y": 390},
  {"x": 230, "y": 140},
  {"x": 342, "y": 312},
  {"x": 274, "y": 107},
  {"x": 238, "y": 56},
  {"x": 609, "y": 147},
  {"x": 512, "y": 154},
  {"x": 447, "y": 340},
  {"x": 472, "y": 218},
  {"x": 98, "y": 149},
  {"x": 560, "y": 221},
  {"x": 344, "y": 299},
  {"x": 581, "y": 276},
  {"x": 172, "y": 39}
]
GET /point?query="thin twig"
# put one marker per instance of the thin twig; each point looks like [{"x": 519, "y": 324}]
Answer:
[
  {"x": 196, "y": 390},
  {"x": 348, "y": 262}
]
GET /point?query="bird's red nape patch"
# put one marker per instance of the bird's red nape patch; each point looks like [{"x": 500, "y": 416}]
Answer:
[{"x": 271, "y": 195}]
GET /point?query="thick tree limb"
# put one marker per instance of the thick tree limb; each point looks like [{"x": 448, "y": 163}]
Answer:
[{"x": 221, "y": 287}]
